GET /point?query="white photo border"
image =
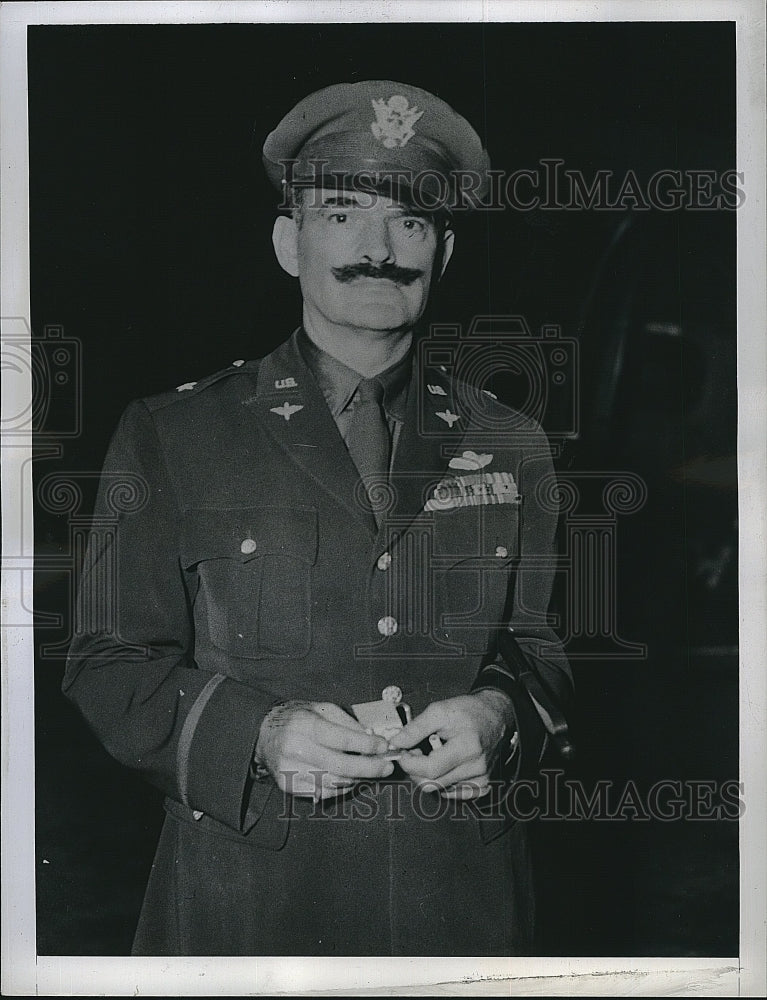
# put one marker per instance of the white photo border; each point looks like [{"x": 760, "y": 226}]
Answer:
[{"x": 26, "y": 974}]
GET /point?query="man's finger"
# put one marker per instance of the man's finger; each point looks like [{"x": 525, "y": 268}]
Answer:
[
  {"x": 334, "y": 713},
  {"x": 467, "y": 790},
  {"x": 333, "y": 793},
  {"x": 431, "y": 720},
  {"x": 332, "y": 785},
  {"x": 348, "y": 765},
  {"x": 340, "y": 737},
  {"x": 471, "y": 770},
  {"x": 298, "y": 779},
  {"x": 438, "y": 763}
]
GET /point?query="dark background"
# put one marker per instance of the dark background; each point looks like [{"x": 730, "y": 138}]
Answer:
[{"x": 150, "y": 247}]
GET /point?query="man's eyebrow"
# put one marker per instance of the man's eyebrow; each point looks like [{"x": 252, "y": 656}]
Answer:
[
  {"x": 350, "y": 201},
  {"x": 338, "y": 201},
  {"x": 413, "y": 212}
]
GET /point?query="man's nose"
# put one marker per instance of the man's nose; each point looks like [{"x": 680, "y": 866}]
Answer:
[{"x": 375, "y": 242}]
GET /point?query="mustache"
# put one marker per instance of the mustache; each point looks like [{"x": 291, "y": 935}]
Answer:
[{"x": 391, "y": 272}]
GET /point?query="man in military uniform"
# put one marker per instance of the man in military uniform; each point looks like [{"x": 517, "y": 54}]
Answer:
[{"x": 331, "y": 650}]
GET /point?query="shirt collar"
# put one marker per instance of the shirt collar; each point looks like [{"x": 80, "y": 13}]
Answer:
[{"x": 339, "y": 383}]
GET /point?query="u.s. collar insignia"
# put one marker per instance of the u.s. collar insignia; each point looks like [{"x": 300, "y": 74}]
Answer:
[
  {"x": 435, "y": 390},
  {"x": 470, "y": 461},
  {"x": 286, "y": 383},
  {"x": 286, "y": 410},
  {"x": 448, "y": 417},
  {"x": 394, "y": 120}
]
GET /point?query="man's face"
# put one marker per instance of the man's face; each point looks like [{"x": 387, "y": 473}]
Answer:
[{"x": 363, "y": 260}]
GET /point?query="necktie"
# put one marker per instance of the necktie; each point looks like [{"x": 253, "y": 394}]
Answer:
[{"x": 368, "y": 439}]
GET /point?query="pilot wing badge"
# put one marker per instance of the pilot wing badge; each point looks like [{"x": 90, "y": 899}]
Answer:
[
  {"x": 286, "y": 410},
  {"x": 394, "y": 120},
  {"x": 470, "y": 460}
]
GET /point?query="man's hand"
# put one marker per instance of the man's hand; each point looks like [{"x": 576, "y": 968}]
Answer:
[
  {"x": 316, "y": 749},
  {"x": 471, "y": 727}
]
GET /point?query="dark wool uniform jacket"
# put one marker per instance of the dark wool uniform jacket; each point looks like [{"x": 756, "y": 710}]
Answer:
[{"x": 234, "y": 565}]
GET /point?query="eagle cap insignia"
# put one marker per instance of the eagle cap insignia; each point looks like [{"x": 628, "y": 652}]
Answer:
[{"x": 395, "y": 119}]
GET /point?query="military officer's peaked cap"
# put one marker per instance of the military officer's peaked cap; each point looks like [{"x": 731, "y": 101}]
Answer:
[{"x": 377, "y": 133}]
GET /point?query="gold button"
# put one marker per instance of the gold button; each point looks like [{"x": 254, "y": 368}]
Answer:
[
  {"x": 501, "y": 551},
  {"x": 248, "y": 546},
  {"x": 384, "y": 561},
  {"x": 387, "y": 625}
]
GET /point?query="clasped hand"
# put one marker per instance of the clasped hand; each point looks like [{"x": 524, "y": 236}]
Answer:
[
  {"x": 316, "y": 749},
  {"x": 470, "y": 727}
]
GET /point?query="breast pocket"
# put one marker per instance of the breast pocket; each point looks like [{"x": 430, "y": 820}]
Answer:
[
  {"x": 480, "y": 548},
  {"x": 251, "y": 574}
]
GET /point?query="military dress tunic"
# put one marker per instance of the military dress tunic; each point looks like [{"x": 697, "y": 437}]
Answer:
[{"x": 250, "y": 571}]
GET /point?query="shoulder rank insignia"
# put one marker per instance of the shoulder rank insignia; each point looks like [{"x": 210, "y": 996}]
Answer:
[{"x": 286, "y": 410}]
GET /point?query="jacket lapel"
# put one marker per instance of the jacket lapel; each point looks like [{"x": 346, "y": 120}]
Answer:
[
  {"x": 291, "y": 407},
  {"x": 293, "y": 410}
]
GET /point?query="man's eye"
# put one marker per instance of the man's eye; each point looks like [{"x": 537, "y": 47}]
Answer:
[
  {"x": 339, "y": 217},
  {"x": 414, "y": 225}
]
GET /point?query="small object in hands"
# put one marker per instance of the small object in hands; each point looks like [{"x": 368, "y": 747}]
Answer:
[
  {"x": 385, "y": 717},
  {"x": 392, "y": 694},
  {"x": 435, "y": 742}
]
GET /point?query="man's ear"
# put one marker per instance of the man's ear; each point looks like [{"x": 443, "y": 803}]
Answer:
[
  {"x": 285, "y": 243},
  {"x": 448, "y": 241}
]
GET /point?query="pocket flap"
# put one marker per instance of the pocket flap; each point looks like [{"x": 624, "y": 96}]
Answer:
[
  {"x": 478, "y": 537},
  {"x": 246, "y": 533}
]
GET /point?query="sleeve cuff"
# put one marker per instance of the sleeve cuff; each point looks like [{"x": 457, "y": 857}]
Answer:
[
  {"x": 521, "y": 760},
  {"x": 215, "y": 758}
]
